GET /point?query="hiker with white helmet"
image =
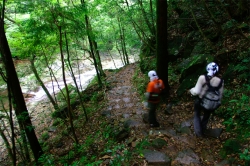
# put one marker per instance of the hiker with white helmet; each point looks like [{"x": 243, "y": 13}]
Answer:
[
  {"x": 154, "y": 89},
  {"x": 213, "y": 85}
]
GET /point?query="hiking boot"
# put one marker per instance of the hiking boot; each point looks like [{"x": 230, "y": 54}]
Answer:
[{"x": 199, "y": 135}]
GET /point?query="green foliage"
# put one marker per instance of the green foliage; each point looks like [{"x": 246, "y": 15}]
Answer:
[
  {"x": 87, "y": 152},
  {"x": 143, "y": 144},
  {"x": 173, "y": 77},
  {"x": 230, "y": 146},
  {"x": 140, "y": 82},
  {"x": 96, "y": 97},
  {"x": 245, "y": 155},
  {"x": 58, "y": 122},
  {"x": 237, "y": 112},
  {"x": 242, "y": 69},
  {"x": 72, "y": 93},
  {"x": 46, "y": 160},
  {"x": 147, "y": 64},
  {"x": 45, "y": 136}
]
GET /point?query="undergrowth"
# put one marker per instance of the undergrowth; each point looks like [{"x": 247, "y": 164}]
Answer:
[{"x": 235, "y": 111}]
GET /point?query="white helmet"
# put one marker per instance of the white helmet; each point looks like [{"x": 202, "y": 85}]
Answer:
[
  {"x": 212, "y": 69},
  {"x": 152, "y": 75}
]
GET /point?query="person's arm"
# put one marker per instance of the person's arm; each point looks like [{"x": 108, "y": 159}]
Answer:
[
  {"x": 148, "y": 91},
  {"x": 197, "y": 89}
]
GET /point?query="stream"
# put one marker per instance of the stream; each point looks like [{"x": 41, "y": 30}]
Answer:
[
  {"x": 88, "y": 72},
  {"x": 35, "y": 95}
]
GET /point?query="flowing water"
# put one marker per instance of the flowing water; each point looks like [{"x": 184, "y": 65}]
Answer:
[
  {"x": 88, "y": 72},
  {"x": 35, "y": 95}
]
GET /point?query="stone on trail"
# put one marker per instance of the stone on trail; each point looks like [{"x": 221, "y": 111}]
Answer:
[
  {"x": 156, "y": 158},
  {"x": 52, "y": 129},
  {"x": 223, "y": 163},
  {"x": 215, "y": 133},
  {"x": 169, "y": 110},
  {"x": 131, "y": 123},
  {"x": 187, "y": 157},
  {"x": 187, "y": 123},
  {"x": 159, "y": 143}
]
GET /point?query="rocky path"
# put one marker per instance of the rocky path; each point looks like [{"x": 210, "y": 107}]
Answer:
[{"x": 174, "y": 142}]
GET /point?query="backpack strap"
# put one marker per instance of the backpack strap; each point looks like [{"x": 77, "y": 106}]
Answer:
[
  {"x": 220, "y": 84},
  {"x": 208, "y": 82}
]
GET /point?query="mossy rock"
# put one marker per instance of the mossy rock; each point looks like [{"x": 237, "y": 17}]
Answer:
[
  {"x": 62, "y": 112},
  {"x": 188, "y": 83},
  {"x": 194, "y": 64},
  {"x": 159, "y": 143},
  {"x": 174, "y": 48},
  {"x": 179, "y": 47}
]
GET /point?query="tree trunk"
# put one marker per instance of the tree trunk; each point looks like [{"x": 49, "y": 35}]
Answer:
[
  {"x": 13, "y": 82},
  {"x": 161, "y": 42},
  {"x": 55, "y": 105}
]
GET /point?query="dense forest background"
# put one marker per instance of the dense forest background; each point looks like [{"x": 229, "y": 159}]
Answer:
[{"x": 177, "y": 38}]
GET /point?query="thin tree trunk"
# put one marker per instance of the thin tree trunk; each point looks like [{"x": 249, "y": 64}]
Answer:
[
  {"x": 124, "y": 45},
  {"x": 12, "y": 152},
  {"x": 152, "y": 17},
  {"x": 144, "y": 14},
  {"x": 121, "y": 40},
  {"x": 99, "y": 62},
  {"x": 139, "y": 31},
  {"x": 33, "y": 68},
  {"x": 93, "y": 45},
  {"x": 12, "y": 128},
  {"x": 120, "y": 53},
  {"x": 66, "y": 88},
  {"x": 52, "y": 76},
  {"x": 7, "y": 144},
  {"x": 92, "y": 52},
  {"x": 74, "y": 79}
]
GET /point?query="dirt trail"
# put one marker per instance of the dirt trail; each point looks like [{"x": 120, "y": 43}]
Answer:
[{"x": 183, "y": 148}]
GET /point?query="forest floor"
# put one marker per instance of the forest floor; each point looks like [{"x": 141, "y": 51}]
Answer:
[{"x": 122, "y": 104}]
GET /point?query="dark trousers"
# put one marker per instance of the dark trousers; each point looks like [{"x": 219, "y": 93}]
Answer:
[
  {"x": 152, "y": 113},
  {"x": 200, "y": 125}
]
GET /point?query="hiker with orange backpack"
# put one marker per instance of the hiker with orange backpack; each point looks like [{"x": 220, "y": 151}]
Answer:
[
  {"x": 209, "y": 89},
  {"x": 154, "y": 89}
]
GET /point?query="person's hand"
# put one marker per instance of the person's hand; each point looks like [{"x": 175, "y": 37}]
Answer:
[
  {"x": 145, "y": 104},
  {"x": 189, "y": 93}
]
